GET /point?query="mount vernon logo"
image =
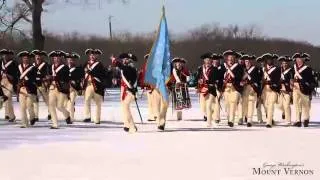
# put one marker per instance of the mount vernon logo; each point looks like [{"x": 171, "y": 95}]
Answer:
[{"x": 282, "y": 169}]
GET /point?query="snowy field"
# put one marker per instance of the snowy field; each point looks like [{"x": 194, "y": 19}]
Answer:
[{"x": 186, "y": 150}]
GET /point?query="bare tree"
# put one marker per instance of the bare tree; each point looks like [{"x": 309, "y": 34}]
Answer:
[{"x": 29, "y": 11}]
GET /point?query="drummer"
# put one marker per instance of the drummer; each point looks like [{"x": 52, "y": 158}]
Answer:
[{"x": 178, "y": 84}]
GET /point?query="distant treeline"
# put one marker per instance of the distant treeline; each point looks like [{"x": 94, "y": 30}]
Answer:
[{"x": 190, "y": 45}]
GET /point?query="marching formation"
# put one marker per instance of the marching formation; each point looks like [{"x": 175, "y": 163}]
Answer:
[{"x": 242, "y": 81}]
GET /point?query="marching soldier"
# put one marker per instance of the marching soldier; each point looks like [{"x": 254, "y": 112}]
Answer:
[
  {"x": 27, "y": 89},
  {"x": 178, "y": 80},
  {"x": 270, "y": 86},
  {"x": 41, "y": 80},
  {"x": 261, "y": 66},
  {"x": 285, "y": 91},
  {"x": 151, "y": 112},
  {"x": 76, "y": 76},
  {"x": 59, "y": 88},
  {"x": 9, "y": 70},
  {"x": 219, "y": 85},
  {"x": 303, "y": 86},
  {"x": 128, "y": 88},
  {"x": 232, "y": 88},
  {"x": 251, "y": 84},
  {"x": 207, "y": 75},
  {"x": 93, "y": 84}
]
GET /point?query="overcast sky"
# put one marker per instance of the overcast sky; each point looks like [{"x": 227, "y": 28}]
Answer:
[{"x": 293, "y": 19}]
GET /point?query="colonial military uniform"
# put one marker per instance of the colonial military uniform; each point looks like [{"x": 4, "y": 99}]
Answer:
[
  {"x": 285, "y": 89},
  {"x": 252, "y": 84},
  {"x": 232, "y": 89},
  {"x": 271, "y": 86},
  {"x": 58, "y": 90},
  {"x": 219, "y": 86},
  {"x": 9, "y": 70},
  {"x": 303, "y": 86},
  {"x": 27, "y": 90},
  {"x": 128, "y": 88},
  {"x": 259, "y": 104},
  {"x": 41, "y": 82},
  {"x": 76, "y": 75},
  {"x": 240, "y": 111},
  {"x": 207, "y": 76},
  {"x": 179, "y": 78},
  {"x": 93, "y": 85}
]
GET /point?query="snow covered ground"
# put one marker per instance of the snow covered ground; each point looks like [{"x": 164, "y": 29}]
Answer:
[{"x": 186, "y": 150}]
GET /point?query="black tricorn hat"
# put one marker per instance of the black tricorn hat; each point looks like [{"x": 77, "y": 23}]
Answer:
[
  {"x": 252, "y": 57},
  {"x": 43, "y": 53},
  {"x": 35, "y": 52},
  {"x": 75, "y": 55},
  {"x": 57, "y": 53},
  {"x": 89, "y": 51},
  {"x": 68, "y": 55},
  {"x": 183, "y": 60},
  {"x": 259, "y": 59},
  {"x": 267, "y": 56},
  {"x": 53, "y": 54},
  {"x": 215, "y": 56},
  {"x": 231, "y": 53},
  {"x": 206, "y": 55},
  {"x": 245, "y": 57},
  {"x": 304, "y": 56},
  {"x": 6, "y": 51},
  {"x": 146, "y": 56},
  {"x": 176, "y": 59},
  {"x": 98, "y": 51},
  {"x": 128, "y": 56},
  {"x": 284, "y": 59},
  {"x": 275, "y": 56},
  {"x": 24, "y": 53}
]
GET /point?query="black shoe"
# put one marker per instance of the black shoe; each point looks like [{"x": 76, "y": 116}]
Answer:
[
  {"x": 205, "y": 118},
  {"x": 33, "y": 121},
  {"x": 23, "y": 127},
  {"x": 268, "y": 126},
  {"x": 249, "y": 124},
  {"x": 230, "y": 124},
  {"x": 97, "y": 123},
  {"x": 217, "y": 121},
  {"x": 87, "y": 120},
  {"x": 12, "y": 120},
  {"x": 273, "y": 122},
  {"x": 283, "y": 116},
  {"x": 68, "y": 120},
  {"x": 49, "y": 117},
  {"x": 161, "y": 127},
  {"x": 36, "y": 119},
  {"x": 126, "y": 129},
  {"x": 6, "y": 117},
  {"x": 240, "y": 121},
  {"x": 306, "y": 123},
  {"x": 150, "y": 120},
  {"x": 52, "y": 127},
  {"x": 245, "y": 119},
  {"x": 297, "y": 124}
]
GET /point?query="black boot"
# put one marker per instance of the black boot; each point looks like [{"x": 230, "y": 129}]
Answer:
[
  {"x": 249, "y": 124},
  {"x": 273, "y": 122},
  {"x": 268, "y": 126},
  {"x": 126, "y": 129},
  {"x": 240, "y": 121},
  {"x": 283, "y": 116},
  {"x": 87, "y": 120},
  {"x": 230, "y": 124},
  {"x": 49, "y": 116},
  {"x": 306, "y": 123},
  {"x": 97, "y": 123},
  {"x": 68, "y": 120},
  {"x": 217, "y": 121},
  {"x": 205, "y": 118},
  {"x": 33, "y": 121},
  {"x": 36, "y": 119},
  {"x": 52, "y": 127},
  {"x": 297, "y": 124},
  {"x": 245, "y": 119},
  {"x": 161, "y": 127},
  {"x": 12, "y": 120},
  {"x": 7, "y": 118}
]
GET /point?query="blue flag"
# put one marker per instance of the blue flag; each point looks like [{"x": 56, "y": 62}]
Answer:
[{"x": 158, "y": 65}]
